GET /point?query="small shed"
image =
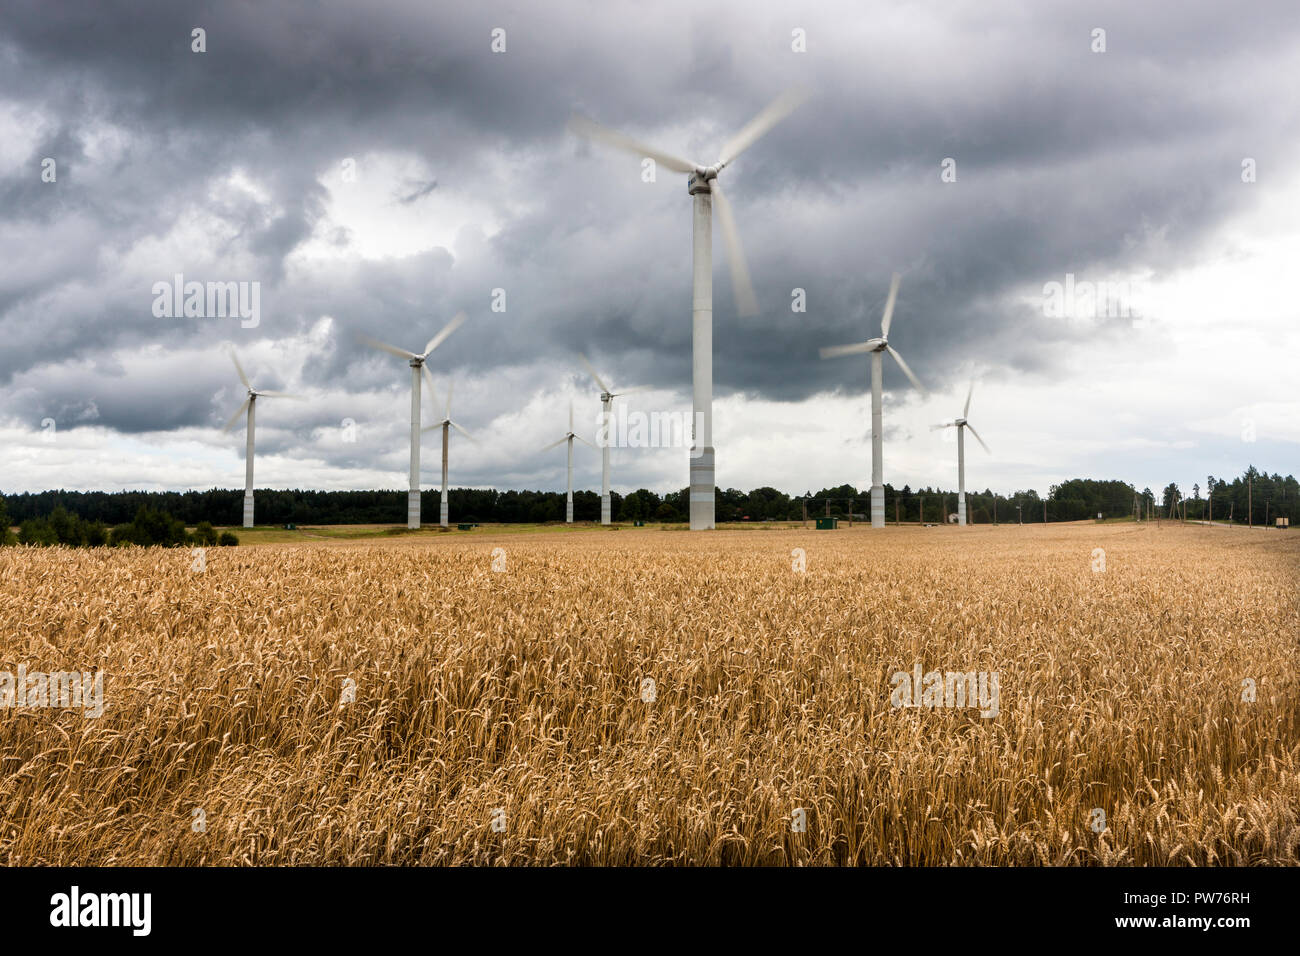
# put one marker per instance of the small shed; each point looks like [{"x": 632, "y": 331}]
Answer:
[{"x": 827, "y": 524}]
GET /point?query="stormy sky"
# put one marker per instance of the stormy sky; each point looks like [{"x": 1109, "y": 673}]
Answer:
[{"x": 376, "y": 168}]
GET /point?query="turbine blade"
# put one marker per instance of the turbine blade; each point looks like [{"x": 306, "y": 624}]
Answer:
[
  {"x": 428, "y": 383},
  {"x": 633, "y": 390},
  {"x": 450, "y": 383},
  {"x": 777, "y": 110},
  {"x": 941, "y": 426},
  {"x": 570, "y": 416},
  {"x": 456, "y": 322},
  {"x": 746, "y": 301},
  {"x": 977, "y": 437},
  {"x": 463, "y": 432},
  {"x": 296, "y": 398},
  {"x": 592, "y": 371},
  {"x": 590, "y": 129},
  {"x": 970, "y": 391},
  {"x": 584, "y": 441},
  {"x": 903, "y": 365},
  {"x": 835, "y": 351},
  {"x": 888, "y": 318},
  {"x": 240, "y": 369},
  {"x": 560, "y": 441},
  {"x": 384, "y": 346},
  {"x": 235, "y": 417}
]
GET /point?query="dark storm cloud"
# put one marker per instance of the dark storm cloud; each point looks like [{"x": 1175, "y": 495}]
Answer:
[{"x": 1067, "y": 161}]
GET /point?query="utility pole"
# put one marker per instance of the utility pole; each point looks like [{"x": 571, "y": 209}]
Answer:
[
  {"x": 805, "y": 512},
  {"x": 1019, "y": 517},
  {"x": 1044, "y": 511},
  {"x": 1250, "y": 502},
  {"x": 896, "y": 519},
  {"x": 920, "y": 515}
]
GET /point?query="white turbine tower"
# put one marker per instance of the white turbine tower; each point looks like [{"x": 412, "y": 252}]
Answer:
[
  {"x": 877, "y": 347},
  {"x": 703, "y": 184},
  {"x": 446, "y": 425},
  {"x": 569, "y": 436},
  {"x": 417, "y": 364},
  {"x": 250, "y": 403},
  {"x": 961, "y": 424},
  {"x": 607, "y": 396}
]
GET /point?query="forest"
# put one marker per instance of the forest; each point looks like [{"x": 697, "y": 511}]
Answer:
[{"x": 1253, "y": 497}]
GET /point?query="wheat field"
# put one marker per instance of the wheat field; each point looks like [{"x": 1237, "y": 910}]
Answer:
[{"x": 406, "y": 703}]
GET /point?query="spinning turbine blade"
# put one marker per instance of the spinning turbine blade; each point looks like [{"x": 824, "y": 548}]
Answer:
[
  {"x": 835, "y": 351},
  {"x": 558, "y": 441},
  {"x": 385, "y": 347},
  {"x": 593, "y": 130},
  {"x": 235, "y": 417},
  {"x": 633, "y": 390},
  {"x": 296, "y": 398},
  {"x": 450, "y": 383},
  {"x": 977, "y": 437},
  {"x": 240, "y": 369},
  {"x": 463, "y": 432},
  {"x": 599, "y": 381},
  {"x": 966, "y": 409},
  {"x": 903, "y": 365},
  {"x": 433, "y": 391},
  {"x": 941, "y": 426},
  {"x": 746, "y": 301},
  {"x": 888, "y": 318},
  {"x": 457, "y": 321},
  {"x": 584, "y": 441},
  {"x": 777, "y": 110}
]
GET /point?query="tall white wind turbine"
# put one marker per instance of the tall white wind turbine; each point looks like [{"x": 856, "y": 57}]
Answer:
[
  {"x": 703, "y": 184},
  {"x": 250, "y": 403},
  {"x": 877, "y": 347},
  {"x": 607, "y": 396},
  {"x": 569, "y": 436},
  {"x": 446, "y": 425},
  {"x": 417, "y": 363},
  {"x": 961, "y": 424}
]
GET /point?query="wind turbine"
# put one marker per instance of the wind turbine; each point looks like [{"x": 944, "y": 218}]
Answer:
[
  {"x": 417, "y": 364},
  {"x": 607, "y": 396},
  {"x": 569, "y": 436},
  {"x": 446, "y": 425},
  {"x": 250, "y": 403},
  {"x": 961, "y": 424},
  {"x": 702, "y": 183},
  {"x": 877, "y": 347}
]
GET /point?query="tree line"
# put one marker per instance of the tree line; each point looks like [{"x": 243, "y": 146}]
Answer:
[
  {"x": 149, "y": 526},
  {"x": 1251, "y": 497}
]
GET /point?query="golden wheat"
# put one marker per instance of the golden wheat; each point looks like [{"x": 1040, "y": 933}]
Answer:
[{"x": 505, "y": 717}]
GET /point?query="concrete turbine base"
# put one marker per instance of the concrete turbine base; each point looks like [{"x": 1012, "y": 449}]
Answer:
[{"x": 702, "y": 495}]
